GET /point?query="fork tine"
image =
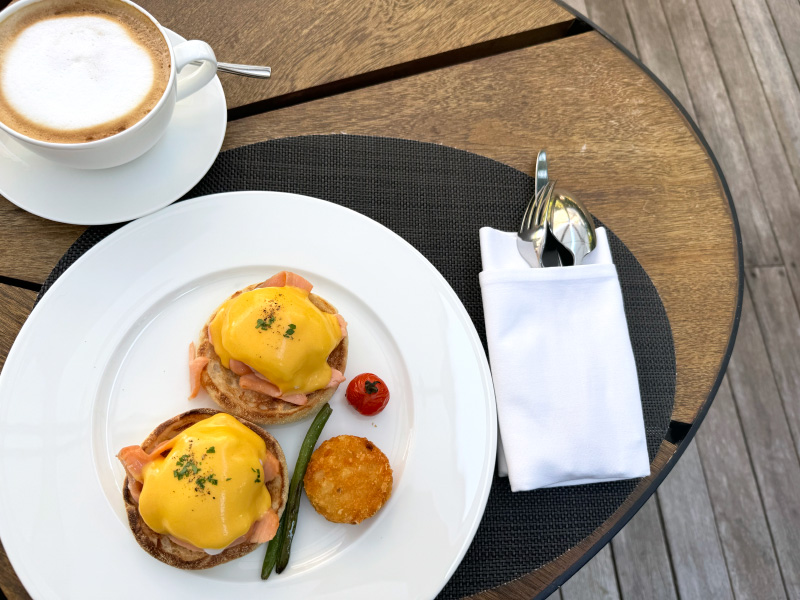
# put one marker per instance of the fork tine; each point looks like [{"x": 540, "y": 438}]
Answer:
[
  {"x": 527, "y": 216},
  {"x": 542, "y": 201}
]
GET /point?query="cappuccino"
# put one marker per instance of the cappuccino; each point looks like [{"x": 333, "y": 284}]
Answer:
[{"x": 75, "y": 71}]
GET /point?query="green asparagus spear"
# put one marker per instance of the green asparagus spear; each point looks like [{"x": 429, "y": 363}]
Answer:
[
  {"x": 296, "y": 487},
  {"x": 271, "y": 557}
]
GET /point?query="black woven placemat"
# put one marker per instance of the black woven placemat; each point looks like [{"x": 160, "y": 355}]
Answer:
[{"x": 437, "y": 198}]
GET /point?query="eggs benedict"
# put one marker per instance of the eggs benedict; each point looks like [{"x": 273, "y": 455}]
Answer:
[
  {"x": 204, "y": 488},
  {"x": 271, "y": 353}
]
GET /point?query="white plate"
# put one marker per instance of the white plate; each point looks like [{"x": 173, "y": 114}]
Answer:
[
  {"x": 97, "y": 197},
  {"x": 102, "y": 360}
]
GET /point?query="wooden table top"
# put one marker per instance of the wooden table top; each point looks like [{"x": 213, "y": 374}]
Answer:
[{"x": 501, "y": 78}]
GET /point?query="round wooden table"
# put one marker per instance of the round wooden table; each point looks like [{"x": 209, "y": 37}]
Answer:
[{"x": 501, "y": 78}]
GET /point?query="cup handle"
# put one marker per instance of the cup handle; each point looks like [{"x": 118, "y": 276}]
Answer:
[{"x": 191, "y": 51}]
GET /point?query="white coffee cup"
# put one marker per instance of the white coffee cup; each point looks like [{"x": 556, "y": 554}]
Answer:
[{"x": 134, "y": 141}]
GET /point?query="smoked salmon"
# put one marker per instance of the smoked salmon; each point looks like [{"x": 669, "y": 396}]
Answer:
[
  {"x": 287, "y": 278},
  {"x": 134, "y": 458},
  {"x": 252, "y": 382},
  {"x": 196, "y": 366},
  {"x": 265, "y": 528}
]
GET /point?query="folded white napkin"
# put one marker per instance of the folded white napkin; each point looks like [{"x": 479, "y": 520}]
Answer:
[{"x": 568, "y": 401}]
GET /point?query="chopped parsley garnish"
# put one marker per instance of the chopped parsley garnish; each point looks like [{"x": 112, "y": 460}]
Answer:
[
  {"x": 263, "y": 324},
  {"x": 228, "y": 479},
  {"x": 186, "y": 467},
  {"x": 258, "y": 474},
  {"x": 371, "y": 387},
  {"x": 290, "y": 331}
]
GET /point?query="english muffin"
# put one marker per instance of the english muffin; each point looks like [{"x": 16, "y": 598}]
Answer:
[
  {"x": 275, "y": 352},
  {"x": 197, "y": 479}
]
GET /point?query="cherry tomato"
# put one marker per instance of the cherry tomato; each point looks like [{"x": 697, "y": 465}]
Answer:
[{"x": 368, "y": 394}]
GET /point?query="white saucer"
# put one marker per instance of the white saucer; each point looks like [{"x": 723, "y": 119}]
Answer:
[{"x": 98, "y": 197}]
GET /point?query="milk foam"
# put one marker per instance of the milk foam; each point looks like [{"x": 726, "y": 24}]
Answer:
[{"x": 76, "y": 71}]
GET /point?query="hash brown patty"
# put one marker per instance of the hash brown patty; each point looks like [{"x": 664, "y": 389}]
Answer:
[{"x": 348, "y": 479}]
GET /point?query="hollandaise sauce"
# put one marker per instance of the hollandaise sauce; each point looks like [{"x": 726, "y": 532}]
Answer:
[
  {"x": 209, "y": 490},
  {"x": 281, "y": 334}
]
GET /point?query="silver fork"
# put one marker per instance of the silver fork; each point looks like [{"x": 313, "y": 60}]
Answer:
[{"x": 532, "y": 233}]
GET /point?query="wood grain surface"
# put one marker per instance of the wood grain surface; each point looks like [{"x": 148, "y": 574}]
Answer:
[
  {"x": 780, "y": 325},
  {"x": 610, "y": 132},
  {"x": 611, "y": 16},
  {"x": 10, "y": 584},
  {"x": 642, "y": 542},
  {"x": 769, "y": 440},
  {"x": 31, "y": 245},
  {"x": 310, "y": 44},
  {"x": 698, "y": 562},
  {"x": 16, "y": 305},
  {"x": 631, "y": 158},
  {"x": 773, "y": 174},
  {"x": 715, "y": 116},
  {"x": 595, "y": 581},
  {"x": 741, "y": 522},
  {"x": 778, "y": 78}
]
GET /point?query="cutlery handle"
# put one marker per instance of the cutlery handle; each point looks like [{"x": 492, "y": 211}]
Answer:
[{"x": 550, "y": 258}]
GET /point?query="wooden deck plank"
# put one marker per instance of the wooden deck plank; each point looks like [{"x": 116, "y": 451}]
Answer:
[
  {"x": 642, "y": 557},
  {"x": 786, "y": 16},
  {"x": 310, "y": 44},
  {"x": 770, "y": 165},
  {"x": 579, "y": 6},
  {"x": 775, "y": 72},
  {"x": 769, "y": 442},
  {"x": 697, "y": 558},
  {"x": 780, "y": 323},
  {"x": 595, "y": 581},
  {"x": 739, "y": 514},
  {"x": 611, "y": 17},
  {"x": 716, "y": 119},
  {"x": 656, "y": 48}
]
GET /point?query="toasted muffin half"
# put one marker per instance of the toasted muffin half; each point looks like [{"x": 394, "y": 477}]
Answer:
[
  {"x": 161, "y": 546},
  {"x": 222, "y": 384}
]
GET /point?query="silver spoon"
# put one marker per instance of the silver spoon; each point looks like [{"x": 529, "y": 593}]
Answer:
[
  {"x": 572, "y": 225},
  {"x": 244, "y": 70},
  {"x": 541, "y": 170}
]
